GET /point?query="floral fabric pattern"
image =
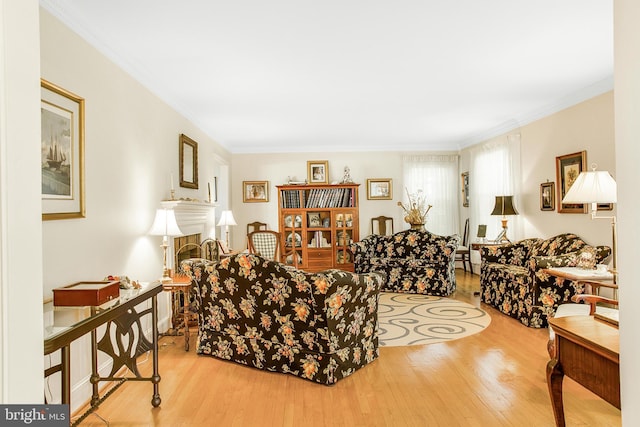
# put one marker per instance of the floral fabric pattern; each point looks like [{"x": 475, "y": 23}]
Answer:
[
  {"x": 413, "y": 261},
  {"x": 318, "y": 326},
  {"x": 512, "y": 280}
]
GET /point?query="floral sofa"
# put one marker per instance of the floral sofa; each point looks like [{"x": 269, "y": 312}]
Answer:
[
  {"x": 318, "y": 326},
  {"x": 513, "y": 281},
  {"x": 413, "y": 261}
]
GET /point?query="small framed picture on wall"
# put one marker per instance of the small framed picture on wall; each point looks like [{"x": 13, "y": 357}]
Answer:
[{"x": 547, "y": 196}]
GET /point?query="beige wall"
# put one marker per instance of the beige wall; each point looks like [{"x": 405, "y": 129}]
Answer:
[
  {"x": 275, "y": 168},
  {"x": 131, "y": 151},
  {"x": 585, "y": 126}
]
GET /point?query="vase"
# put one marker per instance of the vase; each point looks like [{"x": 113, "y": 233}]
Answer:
[{"x": 417, "y": 227}]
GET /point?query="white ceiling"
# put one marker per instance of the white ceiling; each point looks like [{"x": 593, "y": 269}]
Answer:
[{"x": 355, "y": 75}]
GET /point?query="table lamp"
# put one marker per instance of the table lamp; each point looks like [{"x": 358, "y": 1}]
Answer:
[
  {"x": 504, "y": 206},
  {"x": 165, "y": 225},
  {"x": 597, "y": 187},
  {"x": 226, "y": 219}
]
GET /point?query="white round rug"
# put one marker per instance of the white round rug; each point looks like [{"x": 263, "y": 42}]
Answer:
[{"x": 410, "y": 319}]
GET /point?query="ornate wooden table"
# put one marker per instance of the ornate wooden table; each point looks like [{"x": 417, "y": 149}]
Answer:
[
  {"x": 123, "y": 322},
  {"x": 587, "y": 351}
]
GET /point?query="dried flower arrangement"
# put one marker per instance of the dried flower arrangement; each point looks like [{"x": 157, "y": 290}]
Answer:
[{"x": 417, "y": 209}]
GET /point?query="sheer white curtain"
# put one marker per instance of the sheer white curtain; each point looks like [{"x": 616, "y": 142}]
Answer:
[
  {"x": 437, "y": 177},
  {"x": 495, "y": 171}
]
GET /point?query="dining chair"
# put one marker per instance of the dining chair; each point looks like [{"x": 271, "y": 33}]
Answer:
[
  {"x": 463, "y": 252},
  {"x": 384, "y": 223},
  {"x": 265, "y": 243}
]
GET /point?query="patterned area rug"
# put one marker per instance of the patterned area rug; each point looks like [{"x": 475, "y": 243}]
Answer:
[{"x": 409, "y": 319}]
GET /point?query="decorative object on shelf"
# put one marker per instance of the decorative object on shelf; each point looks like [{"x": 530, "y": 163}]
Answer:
[
  {"x": 255, "y": 191},
  {"x": 226, "y": 219},
  {"x": 125, "y": 282},
  {"x": 416, "y": 210},
  {"x": 379, "y": 189},
  {"x": 188, "y": 162},
  {"x": 294, "y": 181},
  {"x": 62, "y": 148},
  {"x": 346, "y": 177},
  {"x": 165, "y": 225},
  {"x": 547, "y": 196},
  {"x": 293, "y": 221},
  {"x": 294, "y": 236},
  {"x": 313, "y": 219},
  {"x": 504, "y": 206},
  {"x": 465, "y": 189},
  {"x": 568, "y": 168},
  {"x": 86, "y": 293},
  {"x": 318, "y": 171},
  {"x": 597, "y": 187}
]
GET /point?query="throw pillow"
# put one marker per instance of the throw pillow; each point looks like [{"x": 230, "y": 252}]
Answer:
[{"x": 585, "y": 258}]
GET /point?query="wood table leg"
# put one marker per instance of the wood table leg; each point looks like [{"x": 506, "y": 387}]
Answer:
[{"x": 555, "y": 375}]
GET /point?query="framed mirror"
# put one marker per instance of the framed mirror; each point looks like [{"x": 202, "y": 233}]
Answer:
[{"x": 188, "y": 162}]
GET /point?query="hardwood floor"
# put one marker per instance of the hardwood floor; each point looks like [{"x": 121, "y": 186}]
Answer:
[{"x": 494, "y": 378}]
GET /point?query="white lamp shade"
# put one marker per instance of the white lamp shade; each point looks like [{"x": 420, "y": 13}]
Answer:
[
  {"x": 226, "y": 218},
  {"x": 165, "y": 224},
  {"x": 592, "y": 187}
]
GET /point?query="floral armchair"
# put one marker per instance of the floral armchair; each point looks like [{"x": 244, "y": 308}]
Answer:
[
  {"x": 318, "y": 326},
  {"x": 413, "y": 261},
  {"x": 513, "y": 281}
]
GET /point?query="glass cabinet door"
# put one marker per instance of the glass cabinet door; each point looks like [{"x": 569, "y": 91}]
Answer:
[
  {"x": 343, "y": 237},
  {"x": 293, "y": 238}
]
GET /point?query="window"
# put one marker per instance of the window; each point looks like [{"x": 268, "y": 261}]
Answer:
[
  {"x": 495, "y": 171},
  {"x": 437, "y": 176}
]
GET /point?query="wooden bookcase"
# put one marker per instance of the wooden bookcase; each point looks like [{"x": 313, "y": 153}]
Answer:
[{"x": 317, "y": 223}]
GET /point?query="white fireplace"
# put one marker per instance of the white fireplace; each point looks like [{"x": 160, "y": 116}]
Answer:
[{"x": 192, "y": 218}]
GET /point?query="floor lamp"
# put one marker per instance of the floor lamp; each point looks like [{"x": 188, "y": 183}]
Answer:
[
  {"x": 165, "y": 225},
  {"x": 597, "y": 187},
  {"x": 504, "y": 206}
]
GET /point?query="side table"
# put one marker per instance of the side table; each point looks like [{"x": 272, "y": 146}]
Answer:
[
  {"x": 587, "y": 351},
  {"x": 180, "y": 285}
]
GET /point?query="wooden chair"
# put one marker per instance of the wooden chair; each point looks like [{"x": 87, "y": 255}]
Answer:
[
  {"x": 265, "y": 243},
  {"x": 255, "y": 226},
  {"x": 463, "y": 253},
  {"x": 383, "y": 222},
  {"x": 589, "y": 304}
]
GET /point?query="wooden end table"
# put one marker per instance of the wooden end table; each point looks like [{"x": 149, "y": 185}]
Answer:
[
  {"x": 180, "y": 284},
  {"x": 587, "y": 351}
]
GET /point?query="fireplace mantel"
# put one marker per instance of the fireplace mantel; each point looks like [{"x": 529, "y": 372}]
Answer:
[{"x": 193, "y": 217}]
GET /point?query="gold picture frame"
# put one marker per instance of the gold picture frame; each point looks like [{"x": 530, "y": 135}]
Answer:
[
  {"x": 318, "y": 171},
  {"x": 188, "y": 162},
  {"x": 379, "y": 189},
  {"x": 62, "y": 150},
  {"x": 568, "y": 167},
  {"x": 255, "y": 191}
]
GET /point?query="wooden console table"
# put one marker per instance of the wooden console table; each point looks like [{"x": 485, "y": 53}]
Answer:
[
  {"x": 122, "y": 319},
  {"x": 587, "y": 351}
]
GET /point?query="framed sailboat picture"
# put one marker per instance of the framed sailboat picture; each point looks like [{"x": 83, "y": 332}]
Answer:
[{"x": 62, "y": 153}]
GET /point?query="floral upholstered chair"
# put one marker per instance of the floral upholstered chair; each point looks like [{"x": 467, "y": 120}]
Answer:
[
  {"x": 318, "y": 326},
  {"x": 513, "y": 281},
  {"x": 413, "y": 261}
]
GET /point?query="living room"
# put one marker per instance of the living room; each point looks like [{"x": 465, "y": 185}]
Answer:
[{"x": 131, "y": 156}]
